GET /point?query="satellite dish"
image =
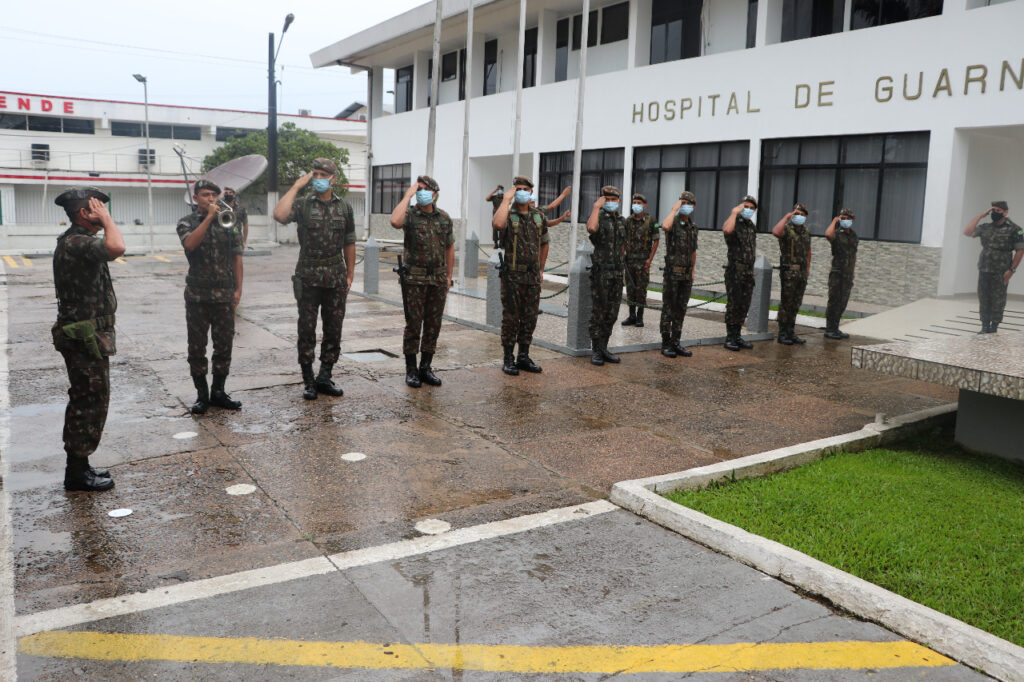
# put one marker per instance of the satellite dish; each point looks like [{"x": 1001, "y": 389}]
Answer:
[{"x": 238, "y": 173}]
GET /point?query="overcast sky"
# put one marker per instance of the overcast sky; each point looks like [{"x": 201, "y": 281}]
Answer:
[{"x": 201, "y": 54}]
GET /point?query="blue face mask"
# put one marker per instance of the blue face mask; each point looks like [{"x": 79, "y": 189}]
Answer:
[
  {"x": 534, "y": 198},
  {"x": 424, "y": 197},
  {"x": 686, "y": 209},
  {"x": 321, "y": 185},
  {"x": 846, "y": 223},
  {"x": 799, "y": 219},
  {"x": 523, "y": 196},
  {"x": 747, "y": 213},
  {"x": 637, "y": 208},
  {"x": 611, "y": 206},
  {"x": 499, "y": 193}
]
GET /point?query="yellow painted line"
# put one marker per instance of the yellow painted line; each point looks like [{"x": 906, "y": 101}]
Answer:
[
  {"x": 120, "y": 260},
  {"x": 10, "y": 261},
  {"x": 26, "y": 262},
  {"x": 742, "y": 657},
  {"x": 161, "y": 258}
]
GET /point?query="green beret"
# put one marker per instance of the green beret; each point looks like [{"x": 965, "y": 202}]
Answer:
[
  {"x": 522, "y": 180},
  {"x": 74, "y": 194},
  {"x": 325, "y": 165},
  {"x": 429, "y": 182},
  {"x": 688, "y": 196},
  {"x": 205, "y": 184}
]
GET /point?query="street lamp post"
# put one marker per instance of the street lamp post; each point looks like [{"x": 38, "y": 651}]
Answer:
[
  {"x": 272, "y": 119},
  {"x": 149, "y": 175}
]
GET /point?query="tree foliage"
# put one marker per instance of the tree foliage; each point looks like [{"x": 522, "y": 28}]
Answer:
[{"x": 296, "y": 149}]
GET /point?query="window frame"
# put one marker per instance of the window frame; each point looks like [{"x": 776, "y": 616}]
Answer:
[{"x": 383, "y": 199}]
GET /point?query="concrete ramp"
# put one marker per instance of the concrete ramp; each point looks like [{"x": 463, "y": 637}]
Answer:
[{"x": 933, "y": 318}]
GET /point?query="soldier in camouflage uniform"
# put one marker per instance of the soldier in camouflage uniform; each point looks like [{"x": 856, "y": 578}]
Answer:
[
  {"x": 680, "y": 261},
  {"x": 84, "y": 331},
  {"x": 213, "y": 288},
  {"x": 840, "y": 277},
  {"x": 496, "y": 196},
  {"x": 741, "y": 240},
  {"x": 794, "y": 265},
  {"x": 241, "y": 215},
  {"x": 607, "y": 230},
  {"x": 323, "y": 274},
  {"x": 429, "y": 259},
  {"x": 1002, "y": 247},
  {"x": 642, "y": 236}
]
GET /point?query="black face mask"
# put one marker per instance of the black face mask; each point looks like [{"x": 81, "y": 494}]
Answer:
[
  {"x": 229, "y": 198},
  {"x": 996, "y": 217}
]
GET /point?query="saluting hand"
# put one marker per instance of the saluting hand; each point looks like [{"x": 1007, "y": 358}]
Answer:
[
  {"x": 600, "y": 202},
  {"x": 97, "y": 210},
  {"x": 737, "y": 208}
]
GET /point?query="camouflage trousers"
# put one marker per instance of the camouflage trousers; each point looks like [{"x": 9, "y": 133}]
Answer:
[
  {"x": 991, "y": 297},
  {"x": 674, "y": 299},
  {"x": 794, "y": 282},
  {"x": 330, "y": 303},
  {"x": 216, "y": 320},
  {"x": 424, "y": 304},
  {"x": 88, "y": 399},
  {"x": 739, "y": 287},
  {"x": 606, "y": 295},
  {"x": 636, "y": 280},
  {"x": 839, "y": 287},
  {"x": 520, "y": 306}
]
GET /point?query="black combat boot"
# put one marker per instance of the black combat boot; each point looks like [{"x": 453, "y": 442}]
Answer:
[
  {"x": 608, "y": 357},
  {"x": 668, "y": 349},
  {"x": 509, "y": 364},
  {"x": 324, "y": 383},
  {"x": 219, "y": 397},
  {"x": 596, "y": 356},
  {"x": 784, "y": 337},
  {"x": 524, "y": 362},
  {"x": 833, "y": 333},
  {"x": 793, "y": 337},
  {"x": 78, "y": 475},
  {"x": 308, "y": 381},
  {"x": 426, "y": 374},
  {"x": 992, "y": 327},
  {"x": 984, "y": 327},
  {"x": 412, "y": 374},
  {"x": 681, "y": 351},
  {"x": 639, "y": 316},
  {"x": 732, "y": 333},
  {"x": 742, "y": 342},
  {"x": 202, "y": 394},
  {"x": 631, "y": 320}
]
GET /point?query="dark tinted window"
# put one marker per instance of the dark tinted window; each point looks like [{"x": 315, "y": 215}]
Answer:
[
  {"x": 599, "y": 167},
  {"x": 449, "y": 66},
  {"x": 867, "y": 13},
  {"x": 809, "y": 18},
  {"x": 675, "y": 30},
  {"x": 188, "y": 133},
  {"x": 13, "y": 122},
  {"x": 126, "y": 129},
  {"x": 490, "y": 67},
  {"x": 389, "y": 185},
  {"x": 48, "y": 124},
  {"x": 615, "y": 23},
  {"x": 530, "y": 58},
  {"x": 751, "y": 23},
  {"x": 577, "y": 30},
  {"x": 403, "y": 89},
  {"x": 160, "y": 131},
  {"x": 562, "y": 50}
]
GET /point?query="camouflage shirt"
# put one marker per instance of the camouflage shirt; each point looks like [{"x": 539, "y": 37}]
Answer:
[
  {"x": 427, "y": 238},
  {"x": 998, "y": 242},
  {"x": 680, "y": 245},
  {"x": 844, "y": 250},
  {"x": 609, "y": 241},
  {"x": 241, "y": 215},
  {"x": 642, "y": 233},
  {"x": 794, "y": 244},
  {"x": 325, "y": 228},
  {"x": 82, "y": 283},
  {"x": 742, "y": 244},
  {"x": 211, "y": 265},
  {"x": 496, "y": 202},
  {"x": 521, "y": 239}
]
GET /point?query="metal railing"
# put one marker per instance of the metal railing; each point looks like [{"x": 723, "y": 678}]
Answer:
[{"x": 94, "y": 162}]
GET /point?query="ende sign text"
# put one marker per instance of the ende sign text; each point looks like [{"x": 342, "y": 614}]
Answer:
[
  {"x": 42, "y": 104},
  {"x": 976, "y": 80}
]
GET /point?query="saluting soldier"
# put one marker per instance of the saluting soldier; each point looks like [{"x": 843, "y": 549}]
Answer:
[
  {"x": 607, "y": 230},
  {"x": 840, "y": 277},
  {"x": 323, "y": 274},
  {"x": 241, "y": 215},
  {"x": 429, "y": 260},
  {"x": 642, "y": 236},
  {"x": 741, "y": 240},
  {"x": 680, "y": 262},
  {"x": 1002, "y": 246},
  {"x": 84, "y": 331},
  {"x": 213, "y": 288},
  {"x": 794, "y": 265},
  {"x": 496, "y": 196}
]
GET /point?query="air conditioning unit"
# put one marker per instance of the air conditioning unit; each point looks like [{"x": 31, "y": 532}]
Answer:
[
  {"x": 40, "y": 154},
  {"x": 305, "y": 112},
  {"x": 147, "y": 158}
]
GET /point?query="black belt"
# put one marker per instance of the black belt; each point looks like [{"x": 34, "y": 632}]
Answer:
[
  {"x": 201, "y": 283},
  {"x": 416, "y": 271},
  {"x": 317, "y": 262},
  {"x": 523, "y": 268}
]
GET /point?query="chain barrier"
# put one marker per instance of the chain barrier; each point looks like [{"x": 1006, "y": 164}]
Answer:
[
  {"x": 695, "y": 305},
  {"x": 560, "y": 291}
]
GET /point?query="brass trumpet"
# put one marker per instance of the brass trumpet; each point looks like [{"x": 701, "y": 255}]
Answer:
[{"x": 225, "y": 214}]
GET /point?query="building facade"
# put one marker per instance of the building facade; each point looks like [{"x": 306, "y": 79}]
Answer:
[
  {"x": 50, "y": 142},
  {"x": 910, "y": 112}
]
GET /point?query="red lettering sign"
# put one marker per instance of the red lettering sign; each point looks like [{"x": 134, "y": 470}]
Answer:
[
  {"x": 69, "y": 107},
  {"x": 3, "y": 101},
  {"x": 47, "y": 105},
  {"x": 23, "y": 103}
]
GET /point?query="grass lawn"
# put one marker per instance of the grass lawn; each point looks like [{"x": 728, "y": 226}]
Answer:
[{"x": 925, "y": 520}]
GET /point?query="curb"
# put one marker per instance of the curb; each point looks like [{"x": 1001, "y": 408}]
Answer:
[{"x": 958, "y": 640}]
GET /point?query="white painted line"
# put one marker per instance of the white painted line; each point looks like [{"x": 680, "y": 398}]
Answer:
[
  {"x": 240, "y": 489},
  {"x": 118, "y": 513},
  {"x": 433, "y": 526},
  {"x": 185, "y": 435},
  {"x": 8, "y": 641},
  {"x": 353, "y": 457},
  {"x": 69, "y": 616}
]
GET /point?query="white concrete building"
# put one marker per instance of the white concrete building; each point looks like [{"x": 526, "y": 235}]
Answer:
[
  {"x": 910, "y": 112},
  {"x": 48, "y": 143}
]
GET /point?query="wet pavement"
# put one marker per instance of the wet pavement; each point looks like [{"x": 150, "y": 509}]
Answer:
[{"x": 483, "y": 448}]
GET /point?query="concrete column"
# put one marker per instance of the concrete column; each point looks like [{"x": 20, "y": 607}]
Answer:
[
  {"x": 580, "y": 303},
  {"x": 493, "y": 292},
  {"x": 753, "y": 169},
  {"x": 371, "y": 267},
  {"x": 760, "y": 302},
  {"x": 470, "y": 251}
]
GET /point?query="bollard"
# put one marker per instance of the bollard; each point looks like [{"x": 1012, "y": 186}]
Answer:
[
  {"x": 493, "y": 292},
  {"x": 760, "y": 302},
  {"x": 470, "y": 251},
  {"x": 578, "y": 332},
  {"x": 371, "y": 267}
]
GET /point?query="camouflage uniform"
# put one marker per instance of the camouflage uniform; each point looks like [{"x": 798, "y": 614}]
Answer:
[
  {"x": 427, "y": 238},
  {"x": 642, "y": 234},
  {"x": 739, "y": 273},
  {"x": 606, "y": 274},
  {"x": 496, "y": 200},
  {"x": 998, "y": 242},
  {"x": 209, "y": 293},
  {"x": 522, "y": 238},
  {"x": 840, "y": 277},
  {"x": 680, "y": 245},
  {"x": 320, "y": 281},
  {"x": 794, "y": 245},
  {"x": 84, "y": 292}
]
